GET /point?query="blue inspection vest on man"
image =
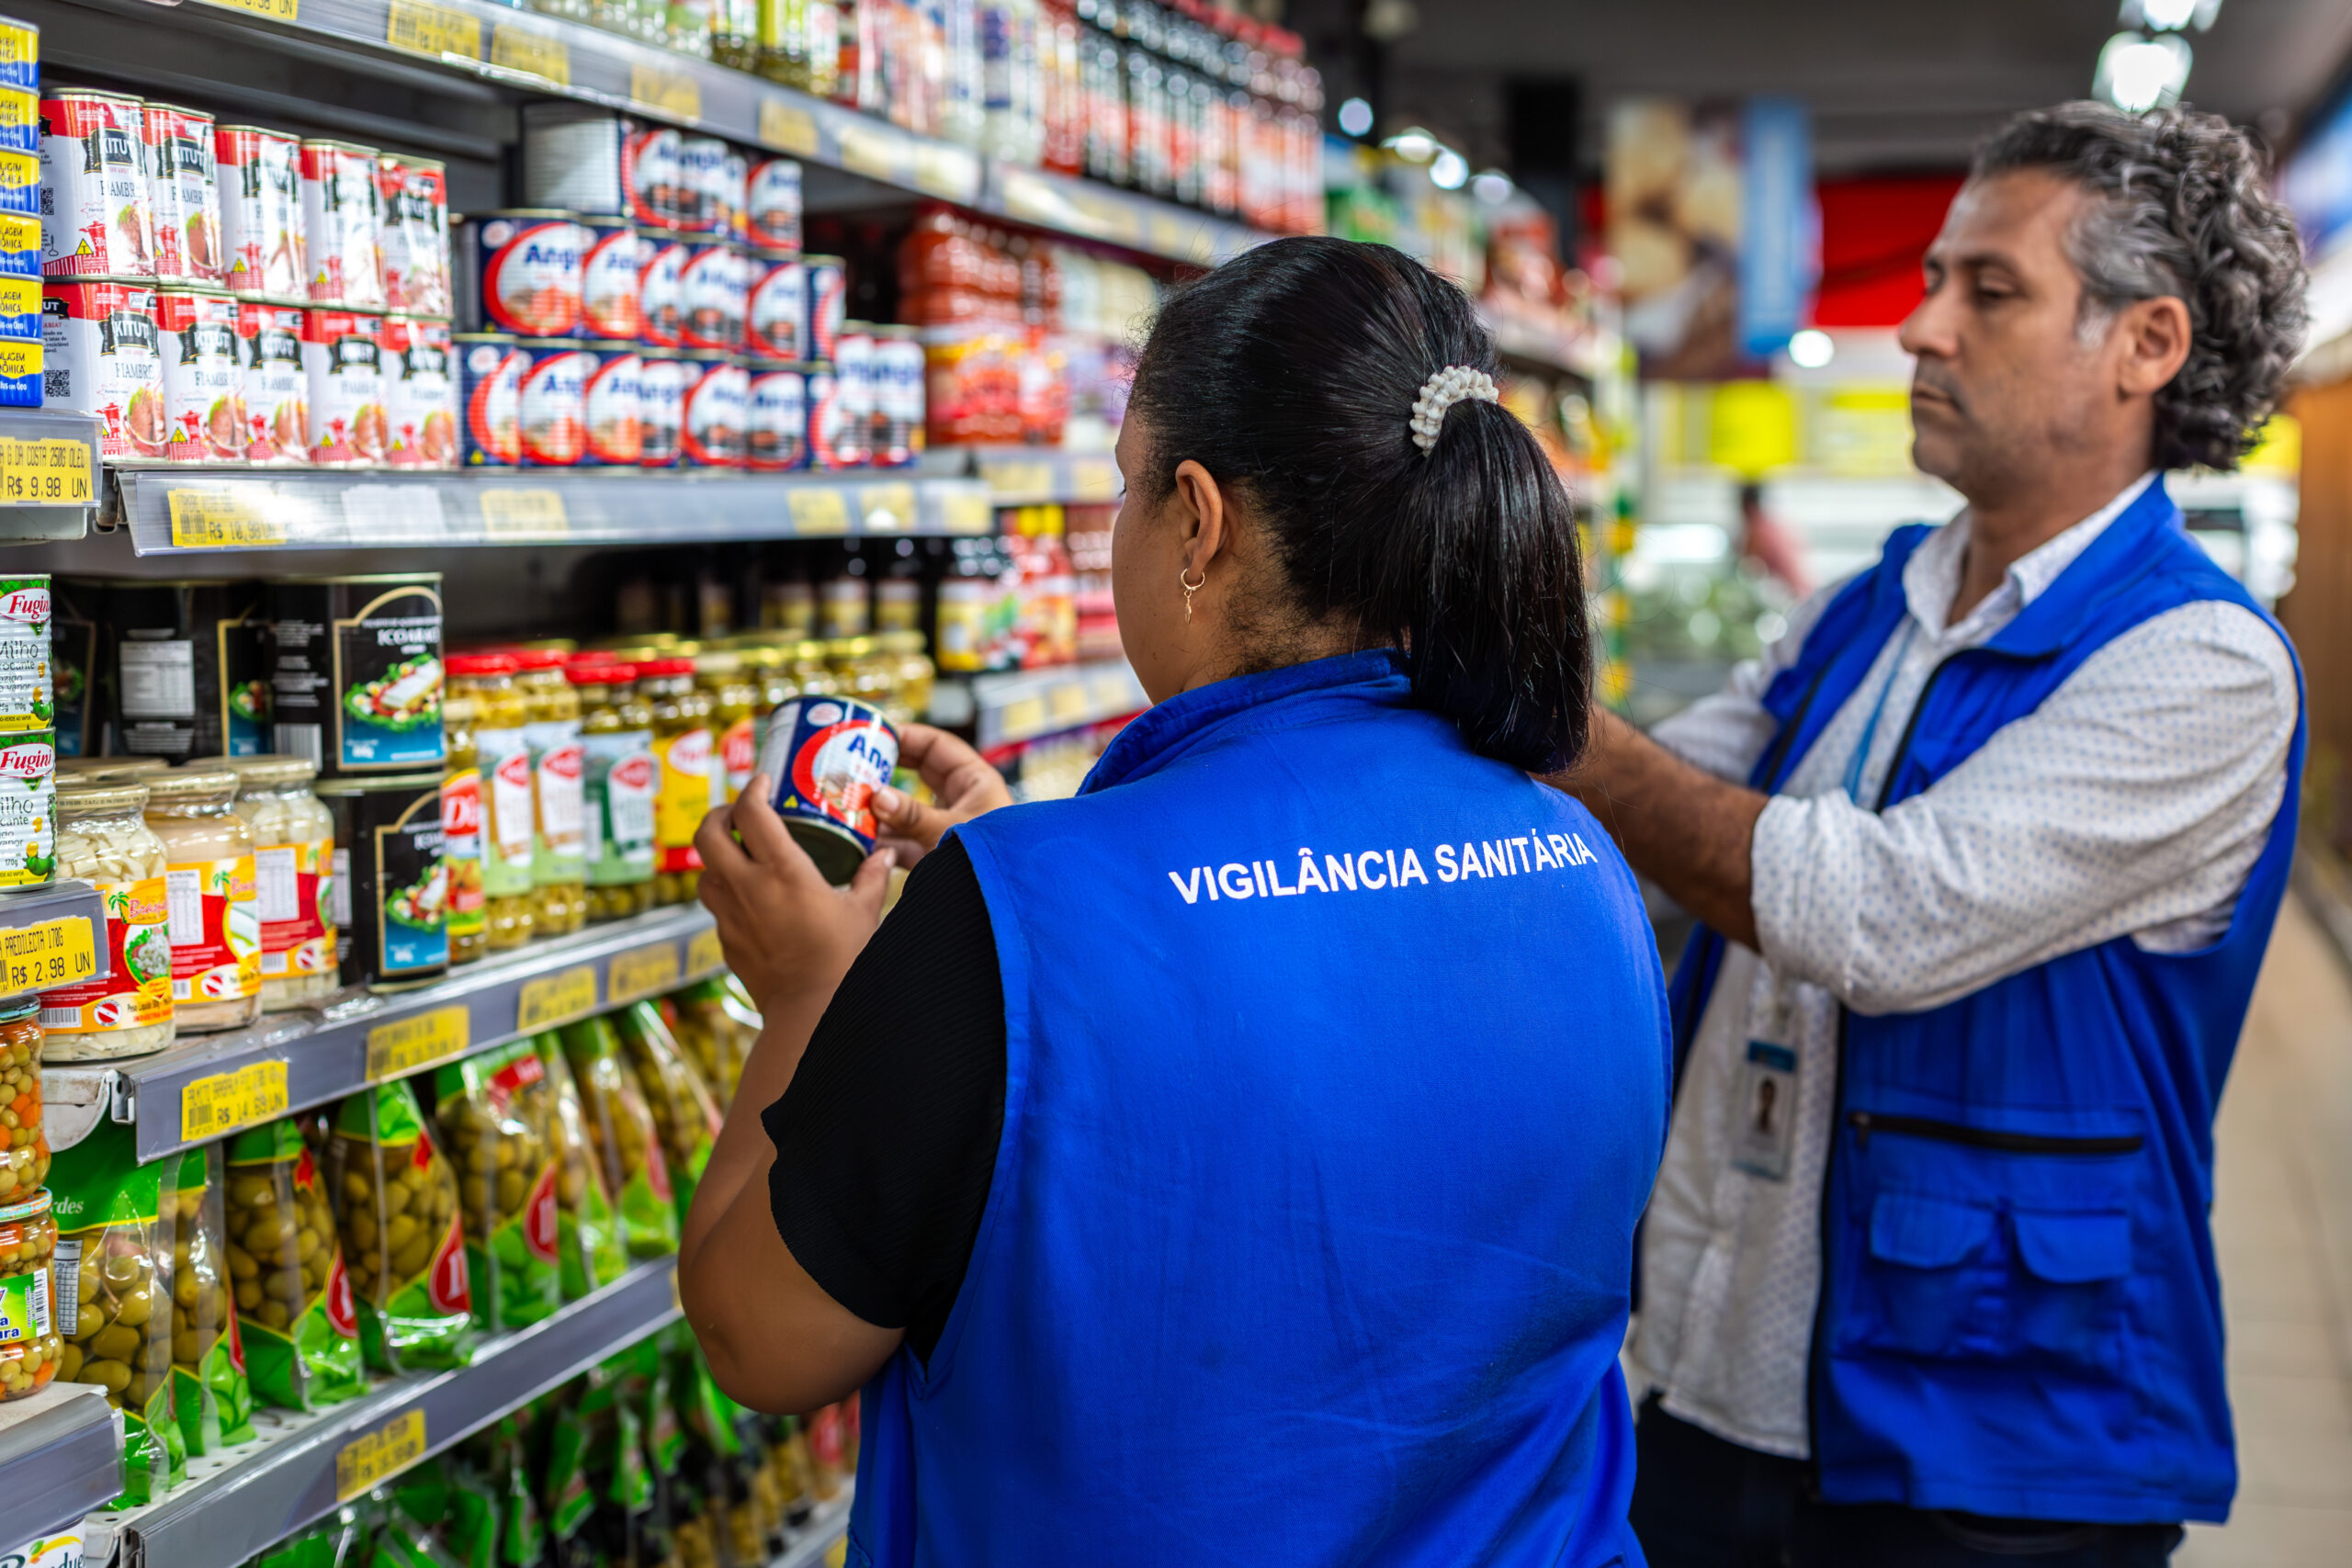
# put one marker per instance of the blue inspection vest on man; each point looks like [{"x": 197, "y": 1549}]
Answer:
[
  {"x": 2021, "y": 1314},
  {"x": 1336, "y": 1080}
]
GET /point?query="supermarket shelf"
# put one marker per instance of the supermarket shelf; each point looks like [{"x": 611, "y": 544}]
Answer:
[
  {"x": 297, "y": 1059},
  {"x": 49, "y": 474},
  {"x": 59, "y": 1451},
  {"x": 1008, "y": 708},
  {"x": 44, "y": 962},
  {"x": 828, "y": 1525},
  {"x": 241, "y": 1502},
  {"x": 1030, "y": 476},
  {"x": 199, "y": 512}
]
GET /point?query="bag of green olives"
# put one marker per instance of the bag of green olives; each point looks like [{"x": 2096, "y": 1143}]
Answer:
[
  {"x": 493, "y": 1110},
  {"x": 717, "y": 1024},
  {"x": 684, "y": 1115},
  {"x": 621, "y": 1128},
  {"x": 295, "y": 1315},
  {"x": 210, "y": 1389},
  {"x": 396, "y": 1199},
  {"x": 114, "y": 1296},
  {"x": 590, "y": 1251}
]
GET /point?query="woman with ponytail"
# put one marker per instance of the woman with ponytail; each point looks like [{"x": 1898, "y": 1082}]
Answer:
[{"x": 1239, "y": 1161}]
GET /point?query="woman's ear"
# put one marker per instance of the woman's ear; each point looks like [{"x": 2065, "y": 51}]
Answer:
[{"x": 1203, "y": 528}]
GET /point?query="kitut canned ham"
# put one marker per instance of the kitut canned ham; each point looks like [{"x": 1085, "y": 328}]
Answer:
[
  {"x": 519, "y": 271},
  {"x": 612, "y": 409},
  {"x": 339, "y": 225},
  {"x": 660, "y": 259},
  {"x": 490, "y": 399},
  {"x": 419, "y": 395},
  {"x": 343, "y": 362},
  {"x": 97, "y": 217},
  {"x": 710, "y": 297},
  {"x": 554, "y": 408},
  {"x": 182, "y": 196},
  {"x": 775, "y": 310},
  {"x": 775, "y": 419},
  {"x": 772, "y": 205},
  {"x": 610, "y": 303},
  {"x": 412, "y": 196},
  {"x": 98, "y": 345},
  {"x": 277, "y": 389},
  {"x": 661, "y": 391},
  {"x": 712, "y": 394},
  {"x": 261, "y": 212},
  {"x": 203, "y": 408}
]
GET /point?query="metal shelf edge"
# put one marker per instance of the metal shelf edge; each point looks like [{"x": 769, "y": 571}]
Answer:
[
  {"x": 827, "y": 1524},
  {"x": 59, "y": 1451}
]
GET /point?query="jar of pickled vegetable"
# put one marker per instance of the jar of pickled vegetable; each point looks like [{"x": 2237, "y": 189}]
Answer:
[
  {"x": 208, "y": 868},
  {"x": 911, "y": 675},
  {"x": 503, "y": 758},
  {"x": 24, "y": 1151},
  {"x": 734, "y": 701},
  {"x": 103, "y": 840},
  {"x": 551, "y": 729},
  {"x": 619, "y": 777},
  {"x": 813, "y": 675},
  {"x": 30, "y": 1345},
  {"x": 768, "y": 668},
  {"x": 294, "y": 869},
  {"x": 461, "y": 829},
  {"x": 689, "y": 784}
]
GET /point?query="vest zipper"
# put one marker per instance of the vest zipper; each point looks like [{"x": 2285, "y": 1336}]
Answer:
[{"x": 1866, "y": 1122}]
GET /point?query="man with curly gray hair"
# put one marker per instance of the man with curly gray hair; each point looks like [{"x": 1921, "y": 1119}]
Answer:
[{"x": 1986, "y": 851}]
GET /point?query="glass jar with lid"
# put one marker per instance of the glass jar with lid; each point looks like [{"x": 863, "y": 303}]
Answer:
[
  {"x": 551, "y": 729},
  {"x": 294, "y": 875},
  {"x": 813, "y": 675},
  {"x": 23, "y": 1146},
  {"x": 461, "y": 828},
  {"x": 29, "y": 1356},
  {"x": 911, "y": 675},
  {"x": 502, "y": 760},
  {"x": 619, "y": 777},
  {"x": 767, "y": 666},
  {"x": 208, "y": 878},
  {"x": 687, "y": 790},
  {"x": 734, "y": 702},
  {"x": 103, "y": 839}
]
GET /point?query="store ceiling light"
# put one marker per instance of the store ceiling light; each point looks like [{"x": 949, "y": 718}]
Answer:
[
  {"x": 1450, "y": 170},
  {"x": 1355, "y": 116},
  {"x": 1413, "y": 144},
  {"x": 1812, "y": 349},
  {"x": 2137, "y": 73},
  {"x": 2169, "y": 16},
  {"x": 1492, "y": 186}
]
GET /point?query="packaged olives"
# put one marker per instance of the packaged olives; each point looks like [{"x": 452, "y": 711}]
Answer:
[
  {"x": 31, "y": 1346},
  {"x": 103, "y": 839},
  {"x": 685, "y": 1116},
  {"x": 589, "y": 1245},
  {"x": 24, "y": 1147},
  {"x": 295, "y": 1314},
  {"x": 621, "y": 1129},
  {"x": 113, "y": 1297},
  {"x": 494, "y": 1111},
  {"x": 210, "y": 1392},
  {"x": 717, "y": 1026},
  {"x": 398, "y": 1200}
]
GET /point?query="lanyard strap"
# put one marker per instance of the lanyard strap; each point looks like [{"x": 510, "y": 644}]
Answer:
[{"x": 1854, "y": 764}]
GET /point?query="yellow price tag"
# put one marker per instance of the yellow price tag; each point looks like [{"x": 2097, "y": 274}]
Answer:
[
  {"x": 1018, "y": 480},
  {"x": 276, "y": 10},
  {"x": 380, "y": 1455},
  {"x": 1093, "y": 479},
  {"x": 819, "y": 512},
  {"x": 874, "y": 153},
  {"x": 642, "y": 972},
  {"x": 787, "y": 128},
  {"x": 221, "y": 519},
  {"x": 1069, "y": 703},
  {"x": 544, "y": 55},
  {"x": 837, "y": 1555},
  {"x": 54, "y": 953},
  {"x": 888, "y": 509},
  {"x": 704, "y": 955},
  {"x": 396, "y": 1049},
  {"x": 965, "y": 512},
  {"x": 45, "y": 473},
  {"x": 524, "y": 512},
  {"x": 1024, "y": 719},
  {"x": 229, "y": 1102},
  {"x": 945, "y": 171},
  {"x": 555, "y": 998},
  {"x": 422, "y": 28},
  {"x": 669, "y": 92}
]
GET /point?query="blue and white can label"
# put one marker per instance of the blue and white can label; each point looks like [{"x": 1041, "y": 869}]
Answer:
[{"x": 826, "y": 757}]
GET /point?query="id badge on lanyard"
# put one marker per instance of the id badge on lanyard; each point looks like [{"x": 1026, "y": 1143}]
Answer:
[{"x": 1764, "y": 1099}]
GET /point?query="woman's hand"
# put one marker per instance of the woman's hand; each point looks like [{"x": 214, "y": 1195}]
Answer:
[
  {"x": 963, "y": 785},
  {"x": 788, "y": 933}
]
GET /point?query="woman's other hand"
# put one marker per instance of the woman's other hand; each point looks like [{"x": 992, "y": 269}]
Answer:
[
  {"x": 961, "y": 785},
  {"x": 788, "y": 933}
]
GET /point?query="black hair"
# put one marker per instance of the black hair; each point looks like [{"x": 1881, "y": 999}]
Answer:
[{"x": 1290, "y": 373}]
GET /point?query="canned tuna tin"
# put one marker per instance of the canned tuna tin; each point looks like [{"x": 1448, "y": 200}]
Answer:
[
  {"x": 702, "y": 186},
  {"x": 355, "y": 671},
  {"x": 100, "y": 218},
  {"x": 99, "y": 341},
  {"x": 391, "y": 885},
  {"x": 420, "y": 400},
  {"x": 181, "y": 193},
  {"x": 587, "y": 160},
  {"x": 343, "y": 369},
  {"x": 897, "y": 397},
  {"x": 519, "y": 271},
  {"x": 828, "y": 303},
  {"x": 710, "y": 297},
  {"x": 261, "y": 212},
  {"x": 27, "y": 694},
  {"x": 609, "y": 298},
  {"x": 661, "y": 391},
  {"x": 339, "y": 225},
  {"x": 28, "y": 809},
  {"x": 554, "y": 409},
  {"x": 827, "y": 756},
  {"x": 204, "y": 405},
  {"x": 276, "y": 390},
  {"x": 413, "y": 198},
  {"x": 772, "y": 205},
  {"x": 712, "y": 393},
  {"x": 775, "y": 419},
  {"x": 775, "y": 310},
  {"x": 490, "y": 390},
  {"x": 612, "y": 409},
  {"x": 189, "y": 670},
  {"x": 661, "y": 258}
]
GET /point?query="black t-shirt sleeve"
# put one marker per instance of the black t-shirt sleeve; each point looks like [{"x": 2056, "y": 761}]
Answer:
[{"x": 886, "y": 1141}]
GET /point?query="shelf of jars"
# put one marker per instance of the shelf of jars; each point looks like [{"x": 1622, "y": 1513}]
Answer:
[
  {"x": 1007, "y": 708},
  {"x": 49, "y": 474},
  {"x": 209, "y": 1085},
  {"x": 63, "y": 1456}
]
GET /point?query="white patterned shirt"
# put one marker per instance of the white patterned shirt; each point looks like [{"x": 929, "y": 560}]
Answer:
[{"x": 2134, "y": 800}]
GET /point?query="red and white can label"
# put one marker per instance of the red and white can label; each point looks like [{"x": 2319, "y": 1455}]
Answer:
[
  {"x": 609, "y": 282},
  {"x": 553, "y": 411}
]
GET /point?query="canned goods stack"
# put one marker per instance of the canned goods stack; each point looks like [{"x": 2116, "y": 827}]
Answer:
[
  {"x": 227, "y": 295},
  {"x": 20, "y": 190}
]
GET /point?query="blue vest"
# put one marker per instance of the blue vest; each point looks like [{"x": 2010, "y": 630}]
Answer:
[
  {"x": 1336, "y": 1079},
  {"x": 2020, "y": 1311}
]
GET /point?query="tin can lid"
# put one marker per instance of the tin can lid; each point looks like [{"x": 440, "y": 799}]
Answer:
[
  {"x": 90, "y": 796},
  {"x": 190, "y": 784},
  {"x": 269, "y": 767},
  {"x": 813, "y": 257},
  {"x": 600, "y": 672}
]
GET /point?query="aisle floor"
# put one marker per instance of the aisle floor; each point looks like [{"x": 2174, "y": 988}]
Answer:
[{"x": 2282, "y": 1224}]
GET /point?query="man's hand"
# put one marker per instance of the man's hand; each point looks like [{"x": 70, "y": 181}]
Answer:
[
  {"x": 790, "y": 934},
  {"x": 963, "y": 785}
]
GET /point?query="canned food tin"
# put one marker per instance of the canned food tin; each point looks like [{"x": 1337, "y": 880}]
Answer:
[
  {"x": 28, "y": 689},
  {"x": 204, "y": 405},
  {"x": 28, "y": 809},
  {"x": 581, "y": 158},
  {"x": 188, "y": 668},
  {"x": 355, "y": 671},
  {"x": 554, "y": 408},
  {"x": 22, "y": 358},
  {"x": 734, "y": 195},
  {"x": 519, "y": 271},
  {"x": 772, "y": 205},
  {"x": 702, "y": 186},
  {"x": 391, "y": 885},
  {"x": 260, "y": 186},
  {"x": 612, "y": 409},
  {"x": 420, "y": 397},
  {"x": 20, "y": 120},
  {"x": 98, "y": 339},
  {"x": 183, "y": 194},
  {"x": 710, "y": 297},
  {"x": 19, "y": 246},
  {"x": 897, "y": 396},
  {"x": 20, "y": 182},
  {"x": 775, "y": 419},
  {"x": 827, "y": 756},
  {"x": 854, "y": 392},
  {"x": 99, "y": 220},
  {"x": 19, "y": 53},
  {"x": 661, "y": 258},
  {"x": 775, "y": 308},
  {"x": 343, "y": 368},
  {"x": 610, "y": 301},
  {"x": 710, "y": 411},
  {"x": 490, "y": 392},
  {"x": 277, "y": 389},
  {"x": 660, "y": 393},
  {"x": 828, "y": 303},
  {"x": 819, "y": 400},
  {"x": 339, "y": 225},
  {"x": 412, "y": 194}
]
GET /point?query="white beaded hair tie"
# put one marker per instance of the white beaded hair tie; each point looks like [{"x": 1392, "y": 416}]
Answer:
[{"x": 1440, "y": 392}]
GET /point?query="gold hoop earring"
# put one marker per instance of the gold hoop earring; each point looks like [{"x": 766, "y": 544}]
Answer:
[{"x": 1190, "y": 588}]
